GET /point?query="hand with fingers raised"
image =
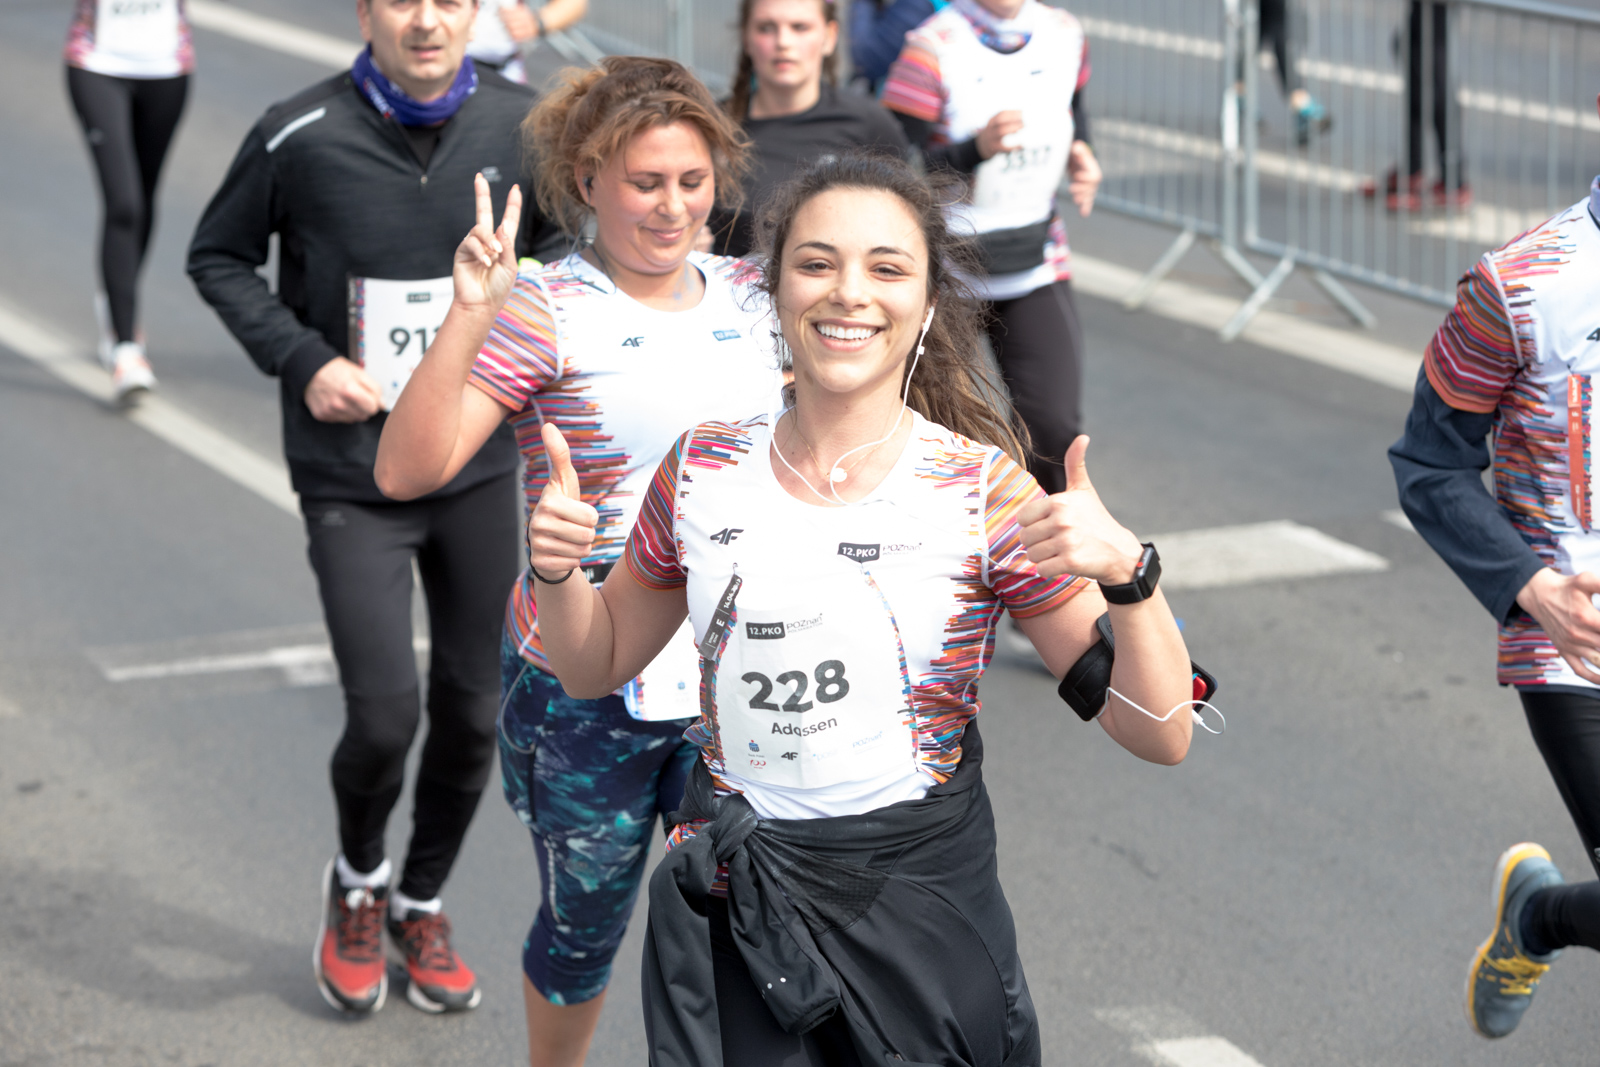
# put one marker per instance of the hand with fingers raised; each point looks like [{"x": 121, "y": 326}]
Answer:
[
  {"x": 1073, "y": 533},
  {"x": 486, "y": 260},
  {"x": 561, "y": 528}
]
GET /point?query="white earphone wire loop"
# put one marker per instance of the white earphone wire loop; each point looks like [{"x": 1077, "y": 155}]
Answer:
[
  {"x": 905, "y": 399},
  {"x": 1192, "y": 705}
]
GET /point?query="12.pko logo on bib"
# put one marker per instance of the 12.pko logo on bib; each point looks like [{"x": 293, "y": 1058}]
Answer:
[{"x": 860, "y": 553}]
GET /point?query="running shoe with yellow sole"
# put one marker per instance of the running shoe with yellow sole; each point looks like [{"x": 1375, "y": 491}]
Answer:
[
  {"x": 438, "y": 980},
  {"x": 1504, "y": 975}
]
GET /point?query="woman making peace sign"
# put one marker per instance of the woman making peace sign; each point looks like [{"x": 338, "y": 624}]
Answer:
[
  {"x": 621, "y": 346},
  {"x": 831, "y": 894}
]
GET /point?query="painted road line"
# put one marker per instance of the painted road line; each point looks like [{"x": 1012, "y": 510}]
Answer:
[
  {"x": 1396, "y": 517},
  {"x": 1169, "y": 1038},
  {"x": 1342, "y": 350},
  {"x": 274, "y": 34},
  {"x": 1258, "y": 552},
  {"x": 267, "y": 478},
  {"x": 301, "y": 654},
  {"x": 1197, "y": 1052}
]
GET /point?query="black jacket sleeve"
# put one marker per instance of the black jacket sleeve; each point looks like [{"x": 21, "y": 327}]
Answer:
[
  {"x": 1080, "y": 119},
  {"x": 229, "y": 243},
  {"x": 1438, "y": 467},
  {"x": 962, "y": 158}
]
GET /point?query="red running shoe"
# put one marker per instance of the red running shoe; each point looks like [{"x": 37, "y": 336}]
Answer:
[
  {"x": 439, "y": 980},
  {"x": 349, "y": 957},
  {"x": 1459, "y": 198}
]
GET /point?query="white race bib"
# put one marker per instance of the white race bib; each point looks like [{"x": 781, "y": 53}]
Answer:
[
  {"x": 392, "y": 323},
  {"x": 813, "y": 693},
  {"x": 1028, "y": 172},
  {"x": 137, "y": 29},
  {"x": 669, "y": 688}
]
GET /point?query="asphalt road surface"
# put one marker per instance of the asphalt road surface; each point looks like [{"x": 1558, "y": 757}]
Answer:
[{"x": 1304, "y": 891}]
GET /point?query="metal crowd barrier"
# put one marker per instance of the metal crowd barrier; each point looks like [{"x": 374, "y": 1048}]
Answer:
[
  {"x": 700, "y": 34},
  {"x": 1498, "y": 95}
]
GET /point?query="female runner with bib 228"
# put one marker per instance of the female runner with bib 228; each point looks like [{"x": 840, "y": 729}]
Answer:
[
  {"x": 621, "y": 345},
  {"x": 843, "y": 567}
]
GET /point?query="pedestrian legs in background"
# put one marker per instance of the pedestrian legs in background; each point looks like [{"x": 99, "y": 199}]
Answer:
[
  {"x": 129, "y": 124},
  {"x": 1425, "y": 47},
  {"x": 1038, "y": 344},
  {"x": 1282, "y": 27},
  {"x": 1536, "y": 913},
  {"x": 465, "y": 549}
]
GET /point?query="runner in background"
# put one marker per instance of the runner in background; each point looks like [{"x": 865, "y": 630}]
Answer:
[
  {"x": 366, "y": 179},
  {"x": 1425, "y": 42},
  {"x": 786, "y": 96},
  {"x": 128, "y": 68},
  {"x": 1518, "y": 357},
  {"x": 878, "y": 31},
  {"x": 1282, "y": 28},
  {"x": 843, "y": 634},
  {"x": 992, "y": 89},
  {"x": 622, "y": 345},
  {"x": 504, "y": 29}
]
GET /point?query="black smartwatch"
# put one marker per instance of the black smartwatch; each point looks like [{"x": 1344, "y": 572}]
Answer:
[{"x": 1145, "y": 577}]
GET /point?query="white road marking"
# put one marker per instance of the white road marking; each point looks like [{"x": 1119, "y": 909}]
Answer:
[
  {"x": 302, "y": 662},
  {"x": 267, "y": 478},
  {"x": 1396, "y": 517},
  {"x": 274, "y": 34},
  {"x": 1197, "y": 1052},
  {"x": 1169, "y": 1038},
  {"x": 1257, "y": 552},
  {"x": 1342, "y": 350}
]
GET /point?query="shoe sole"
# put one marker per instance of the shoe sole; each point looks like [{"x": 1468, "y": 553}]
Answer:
[
  {"x": 420, "y": 1000},
  {"x": 1502, "y": 873},
  {"x": 316, "y": 961}
]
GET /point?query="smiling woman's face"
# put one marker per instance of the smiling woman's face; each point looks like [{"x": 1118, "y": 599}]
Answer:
[
  {"x": 652, "y": 197},
  {"x": 852, "y": 291}
]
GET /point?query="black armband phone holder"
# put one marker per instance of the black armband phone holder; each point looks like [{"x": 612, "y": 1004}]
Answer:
[{"x": 1089, "y": 681}]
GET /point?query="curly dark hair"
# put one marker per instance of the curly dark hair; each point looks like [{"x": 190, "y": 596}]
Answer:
[{"x": 951, "y": 386}]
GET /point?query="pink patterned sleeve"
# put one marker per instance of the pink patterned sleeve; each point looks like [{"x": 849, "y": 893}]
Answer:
[
  {"x": 1011, "y": 575},
  {"x": 652, "y": 550},
  {"x": 1473, "y": 355},
  {"x": 520, "y": 356},
  {"x": 914, "y": 86}
]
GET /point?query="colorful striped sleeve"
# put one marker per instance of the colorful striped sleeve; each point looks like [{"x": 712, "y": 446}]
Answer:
[
  {"x": 520, "y": 356},
  {"x": 652, "y": 550},
  {"x": 1011, "y": 574},
  {"x": 914, "y": 86},
  {"x": 1473, "y": 355}
]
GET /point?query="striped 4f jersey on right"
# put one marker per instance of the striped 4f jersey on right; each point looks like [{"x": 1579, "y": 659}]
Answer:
[{"x": 1523, "y": 343}]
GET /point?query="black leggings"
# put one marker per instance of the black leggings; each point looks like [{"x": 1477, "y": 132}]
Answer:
[
  {"x": 465, "y": 546},
  {"x": 1038, "y": 343},
  {"x": 1566, "y": 727},
  {"x": 129, "y": 123},
  {"x": 1277, "y": 29},
  {"x": 1427, "y": 56}
]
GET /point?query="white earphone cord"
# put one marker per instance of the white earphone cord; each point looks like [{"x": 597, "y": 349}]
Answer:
[
  {"x": 1194, "y": 707},
  {"x": 904, "y": 400}
]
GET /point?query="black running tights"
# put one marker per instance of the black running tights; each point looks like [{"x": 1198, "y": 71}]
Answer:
[
  {"x": 465, "y": 546},
  {"x": 1428, "y": 64},
  {"x": 1566, "y": 727},
  {"x": 129, "y": 123},
  {"x": 1038, "y": 343}
]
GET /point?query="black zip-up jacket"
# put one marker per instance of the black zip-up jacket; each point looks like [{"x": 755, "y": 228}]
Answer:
[
  {"x": 893, "y": 919},
  {"x": 349, "y": 196}
]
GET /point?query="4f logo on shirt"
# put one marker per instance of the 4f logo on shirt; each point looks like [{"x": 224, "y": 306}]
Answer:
[
  {"x": 725, "y": 535},
  {"x": 631, "y": 342},
  {"x": 1594, "y": 336}
]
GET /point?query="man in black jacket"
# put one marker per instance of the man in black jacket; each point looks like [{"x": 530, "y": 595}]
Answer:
[{"x": 366, "y": 179}]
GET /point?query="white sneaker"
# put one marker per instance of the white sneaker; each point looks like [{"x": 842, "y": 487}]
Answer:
[{"x": 130, "y": 373}]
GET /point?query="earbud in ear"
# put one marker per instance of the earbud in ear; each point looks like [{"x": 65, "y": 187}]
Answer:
[{"x": 929, "y": 320}]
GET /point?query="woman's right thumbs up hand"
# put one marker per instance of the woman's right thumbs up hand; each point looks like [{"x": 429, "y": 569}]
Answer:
[{"x": 561, "y": 528}]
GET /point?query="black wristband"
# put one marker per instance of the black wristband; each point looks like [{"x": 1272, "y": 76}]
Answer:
[
  {"x": 1143, "y": 584},
  {"x": 548, "y": 581}
]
